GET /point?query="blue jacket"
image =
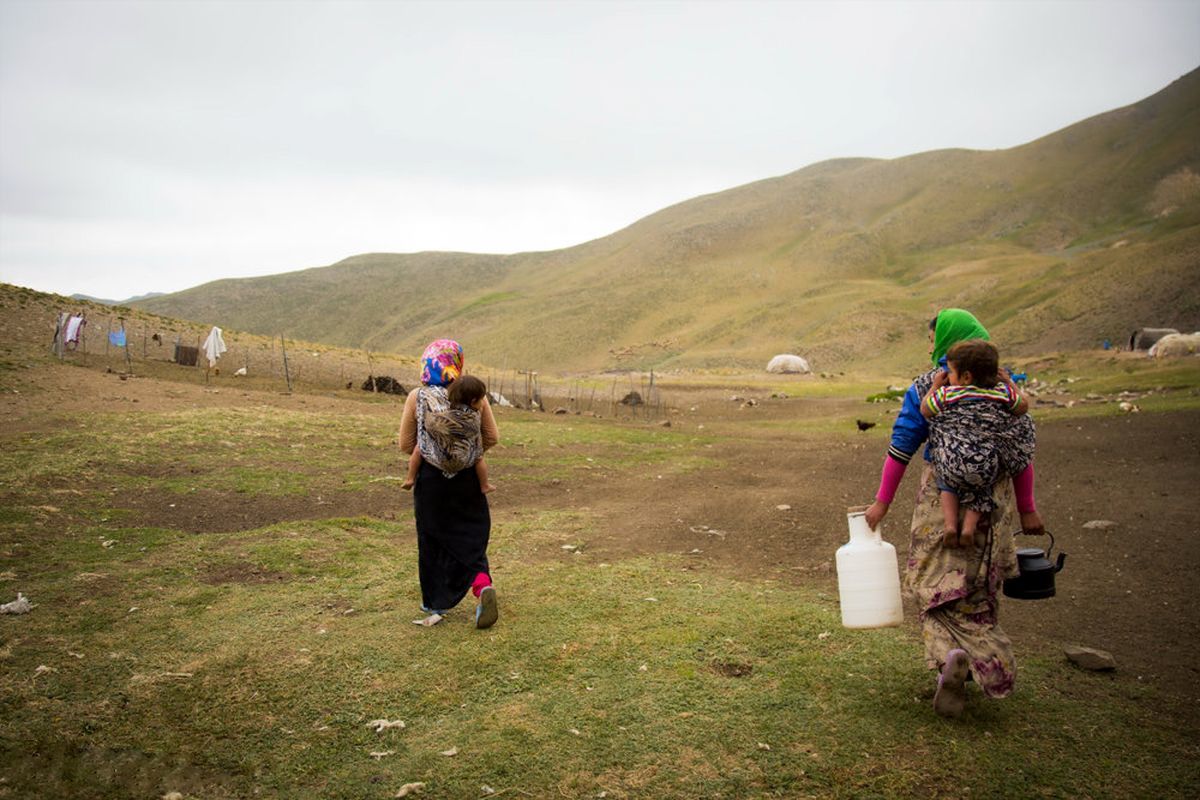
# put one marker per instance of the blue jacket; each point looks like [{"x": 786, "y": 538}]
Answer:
[{"x": 911, "y": 429}]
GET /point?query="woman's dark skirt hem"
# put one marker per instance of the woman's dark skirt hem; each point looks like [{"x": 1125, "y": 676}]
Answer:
[{"x": 453, "y": 528}]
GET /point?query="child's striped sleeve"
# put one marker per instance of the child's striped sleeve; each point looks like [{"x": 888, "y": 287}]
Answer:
[
  {"x": 1014, "y": 397},
  {"x": 936, "y": 401}
]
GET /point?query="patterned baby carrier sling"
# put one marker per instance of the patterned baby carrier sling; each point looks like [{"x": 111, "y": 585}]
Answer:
[
  {"x": 970, "y": 463},
  {"x": 449, "y": 437}
]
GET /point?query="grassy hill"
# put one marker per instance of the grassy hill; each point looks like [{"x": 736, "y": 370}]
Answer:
[{"x": 1079, "y": 236}]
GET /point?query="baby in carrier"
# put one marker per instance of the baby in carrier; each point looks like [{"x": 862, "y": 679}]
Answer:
[
  {"x": 448, "y": 430},
  {"x": 978, "y": 432}
]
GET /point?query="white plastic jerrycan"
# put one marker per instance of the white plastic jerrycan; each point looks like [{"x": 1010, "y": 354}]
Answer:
[{"x": 868, "y": 578}]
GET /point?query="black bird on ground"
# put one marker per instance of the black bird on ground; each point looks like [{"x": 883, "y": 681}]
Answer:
[{"x": 863, "y": 425}]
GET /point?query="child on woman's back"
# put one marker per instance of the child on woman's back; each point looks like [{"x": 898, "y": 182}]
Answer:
[
  {"x": 979, "y": 432},
  {"x": 454, "y": 433}
]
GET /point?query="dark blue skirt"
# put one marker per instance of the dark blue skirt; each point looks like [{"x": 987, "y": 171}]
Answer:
[{"x": 453, "y": 528}]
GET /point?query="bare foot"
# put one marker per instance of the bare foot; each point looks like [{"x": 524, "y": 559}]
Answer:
[
  {"x": 950, "y": 537},
  {"x": 407, "y": 485},
  {"x": 487, "y": 487}
]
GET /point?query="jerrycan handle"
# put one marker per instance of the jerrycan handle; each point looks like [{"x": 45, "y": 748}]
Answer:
[{"x": 860, "y": 531}]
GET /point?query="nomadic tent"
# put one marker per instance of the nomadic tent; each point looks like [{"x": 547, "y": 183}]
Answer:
[
  {"x": 1176, "y": 344},
  {"x": 1144, "y": 338},
  {"x": 787, "y": 363}
]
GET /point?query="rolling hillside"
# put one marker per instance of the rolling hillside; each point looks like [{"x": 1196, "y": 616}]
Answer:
[{"x": 1060, "y": 243}]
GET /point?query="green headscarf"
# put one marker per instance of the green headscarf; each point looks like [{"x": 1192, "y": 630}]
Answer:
[{"x": 953, "y": 326}]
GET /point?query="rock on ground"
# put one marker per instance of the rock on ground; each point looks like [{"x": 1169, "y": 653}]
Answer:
[{"x": 1090, "y": 657}]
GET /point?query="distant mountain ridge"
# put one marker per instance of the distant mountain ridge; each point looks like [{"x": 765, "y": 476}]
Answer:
[
  {"x": 125, "y": 302},
  {"x": 1060, "y": 243}
]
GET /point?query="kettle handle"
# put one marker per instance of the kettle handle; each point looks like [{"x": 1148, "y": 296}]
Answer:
[{"x": 1050, "y": 549}]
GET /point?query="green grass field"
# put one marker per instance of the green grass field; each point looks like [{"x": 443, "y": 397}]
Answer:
[{"x": 251, "y": 663}]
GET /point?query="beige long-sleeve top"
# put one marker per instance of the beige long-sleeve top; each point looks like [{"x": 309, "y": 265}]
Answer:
[{"x": 408, "y": 425}]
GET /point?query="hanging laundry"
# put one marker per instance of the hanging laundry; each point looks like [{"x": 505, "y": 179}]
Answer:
[
  {"x": 74, "y": 328},
  {"x": 186, "y": 356},
  {"x": 214, "y": 346},
  {"x": 116, "y": 338}
]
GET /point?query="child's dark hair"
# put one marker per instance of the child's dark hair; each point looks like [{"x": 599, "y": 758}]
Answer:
[
  {"x": 978, "y": 357},
  {"x": 465, "y": 390}
]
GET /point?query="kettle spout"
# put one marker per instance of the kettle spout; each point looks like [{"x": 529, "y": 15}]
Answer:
[{"x": 1061, "y": 558}]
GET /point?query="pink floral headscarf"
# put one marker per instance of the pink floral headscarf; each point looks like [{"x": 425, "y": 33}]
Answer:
[{"x": 441, "y": 362}]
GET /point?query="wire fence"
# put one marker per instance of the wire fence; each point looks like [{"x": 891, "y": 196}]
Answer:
[{"x": 174, "y": 350}]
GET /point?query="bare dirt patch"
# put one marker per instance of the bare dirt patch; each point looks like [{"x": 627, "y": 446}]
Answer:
[
  {"x": 242, "y": 573},
  {"x": 205, "y": 511}
]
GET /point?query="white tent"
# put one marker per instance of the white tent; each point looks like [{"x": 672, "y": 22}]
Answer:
[
  {"x": 1176, "y": 344},
  {"x": 787, "y": 363}
]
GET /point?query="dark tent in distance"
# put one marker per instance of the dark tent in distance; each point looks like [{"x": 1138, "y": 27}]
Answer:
[{"x": 1144, "y": 338}]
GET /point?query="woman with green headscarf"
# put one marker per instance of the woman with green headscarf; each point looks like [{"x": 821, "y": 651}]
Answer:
[{"x": 956, "y": 588}]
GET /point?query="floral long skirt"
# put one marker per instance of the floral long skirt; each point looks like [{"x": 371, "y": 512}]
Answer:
[{"x": 957, "y": 588}]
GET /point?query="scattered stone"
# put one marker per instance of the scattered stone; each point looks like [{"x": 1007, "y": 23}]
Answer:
[
  {"x": 570, "y": 547},
  {"x": 632, "y": 399},
  {"x": 764, "y": 746},
  {"x": 1099, "y": 524},
  {"x": 409, "y": 788},
  {"x": 172, "y": 796},
  {"x": 666, "y": 423},
  {"x": 381, "y": 725},
  {"x": 1090, "y": 658},
  {"x": 451, "y": 753},
  {"x": 783, "y": 507},
  {"x": 561, "y": 410}
]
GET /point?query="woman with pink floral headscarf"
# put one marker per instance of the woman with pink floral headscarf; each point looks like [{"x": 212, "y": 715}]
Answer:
[{"x": 451, "y": 510}]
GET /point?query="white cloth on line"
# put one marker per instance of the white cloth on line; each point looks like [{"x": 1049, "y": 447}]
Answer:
[
  {"x": 214, "y": 346},
  {"x": 73, "y": 326}
]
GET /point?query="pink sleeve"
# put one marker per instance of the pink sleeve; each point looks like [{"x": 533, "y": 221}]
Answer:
[
  {"x": 893, "y": 471},
  {"x": 1023, "y": 488}
]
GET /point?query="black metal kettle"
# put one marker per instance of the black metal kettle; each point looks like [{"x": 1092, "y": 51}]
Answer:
[{"x": 1036, "y": 580}]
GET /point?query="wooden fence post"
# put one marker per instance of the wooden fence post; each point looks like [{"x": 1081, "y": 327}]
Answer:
[{"x": 286, "y": 372}]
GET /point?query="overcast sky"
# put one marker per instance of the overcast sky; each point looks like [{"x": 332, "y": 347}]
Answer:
[{"x": 154, "y": 146}]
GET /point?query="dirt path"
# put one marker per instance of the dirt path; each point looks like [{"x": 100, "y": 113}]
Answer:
[{"x": 1127, "y": 588}]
